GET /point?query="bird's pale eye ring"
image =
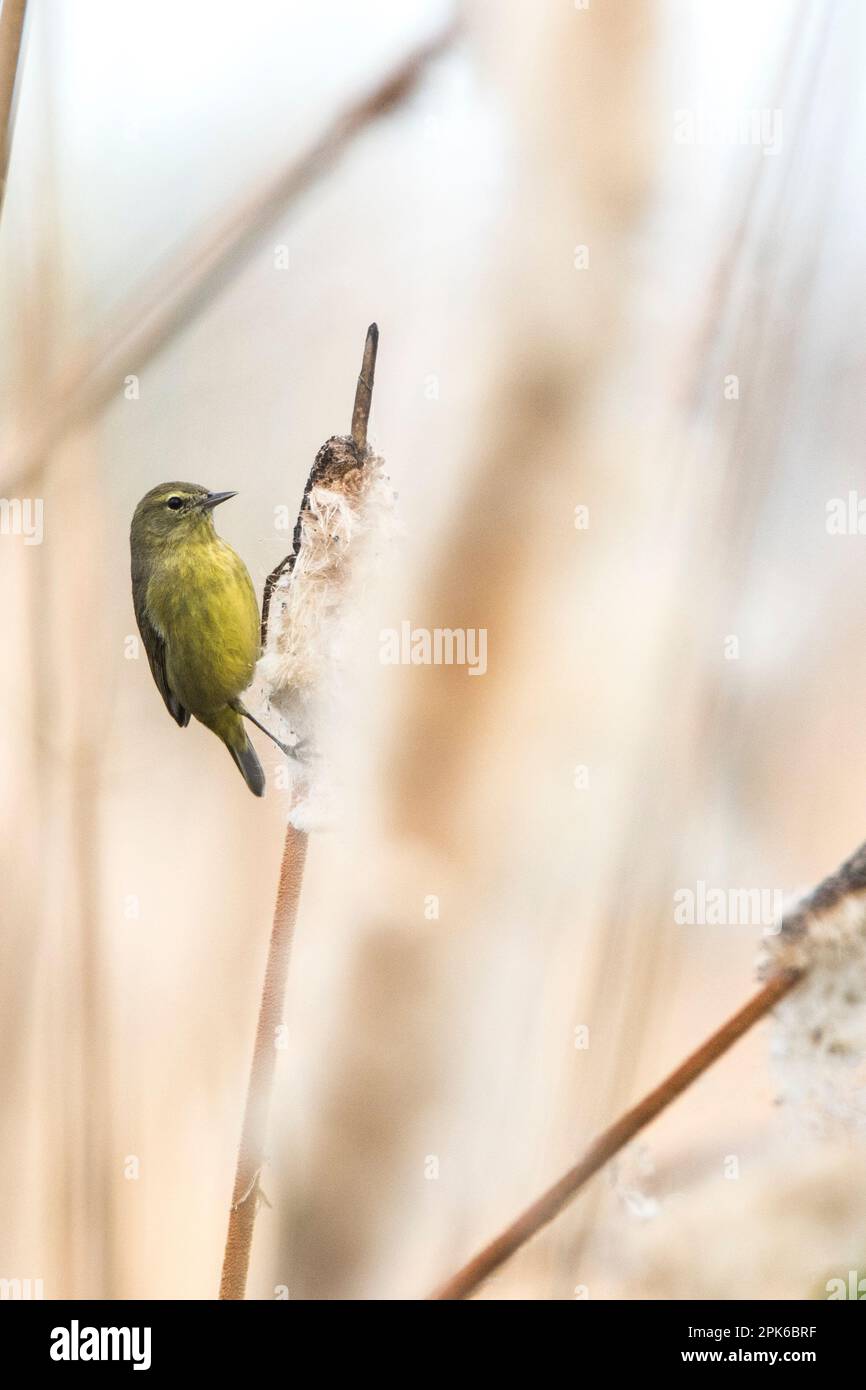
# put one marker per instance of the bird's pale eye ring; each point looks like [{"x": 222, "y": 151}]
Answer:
[{"x": 175, "y": 503}]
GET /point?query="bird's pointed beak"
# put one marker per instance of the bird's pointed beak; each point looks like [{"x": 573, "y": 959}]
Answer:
[{"x": 213, "y": 499}]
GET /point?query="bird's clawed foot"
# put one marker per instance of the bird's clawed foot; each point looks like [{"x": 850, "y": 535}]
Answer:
[{"x": 301, "y": 751}]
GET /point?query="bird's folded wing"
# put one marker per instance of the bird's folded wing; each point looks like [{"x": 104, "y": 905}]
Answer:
[{"x": 154, "y": 645}]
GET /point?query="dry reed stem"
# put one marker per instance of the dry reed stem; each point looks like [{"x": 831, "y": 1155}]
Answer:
[
  {"x": 153, "y": 317},
  {"x": 603, "y": 1149},
  {"x": 360, "y": 421},
  {"x": 12, "y": 17},
  {"x": 251, "y": 1154},
  {"x": 364, "y": 391},
  {"x": 254, "y": 1132}
]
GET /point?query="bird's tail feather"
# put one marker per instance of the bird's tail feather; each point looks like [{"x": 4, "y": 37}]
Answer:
[
  {"x": 227, "y": 724},
  {"x": 249, "y": 766}
]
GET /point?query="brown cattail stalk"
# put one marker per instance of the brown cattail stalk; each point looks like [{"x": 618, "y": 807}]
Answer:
[
  {"x": 360, "y": 421},
  {"x": 251, "y": 1153},
  {"x": 12, "y": 17},
  {"x": 609, "y": 1143}
]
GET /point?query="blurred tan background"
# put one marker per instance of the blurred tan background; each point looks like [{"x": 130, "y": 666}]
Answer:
[{"x": 616, "y": 255}]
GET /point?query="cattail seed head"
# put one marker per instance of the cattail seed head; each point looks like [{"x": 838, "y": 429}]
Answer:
[
  {"x": 820, "y": 1040},
  {"x": 348, "y": 508}
]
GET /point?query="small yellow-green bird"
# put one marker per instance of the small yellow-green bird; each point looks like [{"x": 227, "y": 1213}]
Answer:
[{"x": 197, "y": 614}]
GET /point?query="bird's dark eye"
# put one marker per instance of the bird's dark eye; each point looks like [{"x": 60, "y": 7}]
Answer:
[{"x": 175, "y": 503}]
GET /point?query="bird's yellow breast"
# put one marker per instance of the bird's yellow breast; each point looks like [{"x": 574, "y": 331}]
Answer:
[{"x": 201, "y": 600}]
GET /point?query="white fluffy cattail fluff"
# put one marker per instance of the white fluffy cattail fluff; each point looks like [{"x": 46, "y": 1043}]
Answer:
[
  {"x": 348, "y": 506},
  {"x": 820, "y": 1039}
]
